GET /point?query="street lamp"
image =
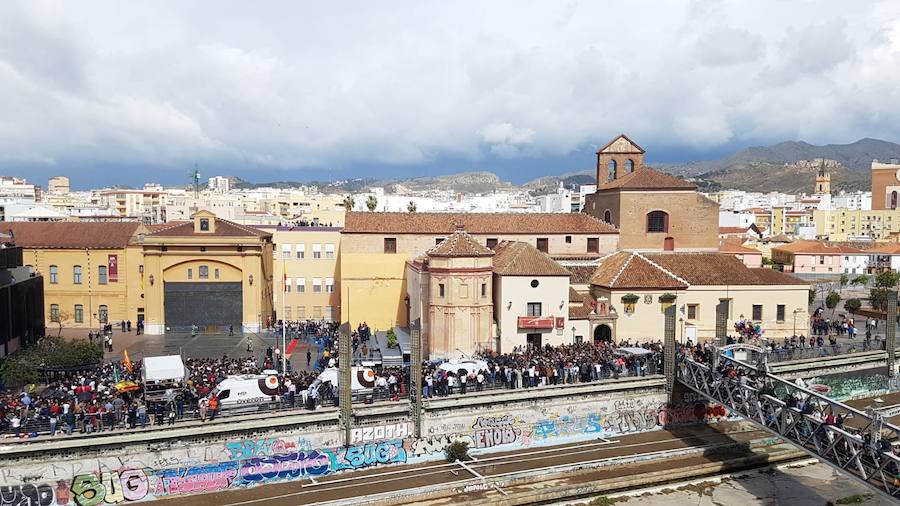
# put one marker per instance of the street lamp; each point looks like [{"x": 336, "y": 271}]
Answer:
[
  {"x": 798, "y": 310},
  {"x": 573, "y": 335}
]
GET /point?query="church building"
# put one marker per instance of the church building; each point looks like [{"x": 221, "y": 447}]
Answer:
[{"x": 652, "y": 210}]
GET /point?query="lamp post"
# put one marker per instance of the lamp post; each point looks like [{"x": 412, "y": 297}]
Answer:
[{"x": 573, "y": 335}]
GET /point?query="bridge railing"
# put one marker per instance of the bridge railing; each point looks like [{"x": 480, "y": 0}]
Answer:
[
  {"x": 778, "y": 355},
  {"x": 853, "y": 441}
]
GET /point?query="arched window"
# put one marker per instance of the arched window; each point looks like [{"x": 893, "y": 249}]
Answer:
[
  {"x": 894, "y": 200},
  {"x": 629, "y": 166},
  {"x": 611, "y": 170},
  {"x": 657, "y": 221},
  {"x": 607, "y": 216}
]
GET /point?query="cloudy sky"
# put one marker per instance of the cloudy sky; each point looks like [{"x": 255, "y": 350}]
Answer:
[{"x": 126, "y": 92}]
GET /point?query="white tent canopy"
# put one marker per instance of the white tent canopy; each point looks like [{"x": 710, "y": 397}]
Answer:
[
  {"x": 164, "y": 368},
  {"x": 632, "y": 351}
]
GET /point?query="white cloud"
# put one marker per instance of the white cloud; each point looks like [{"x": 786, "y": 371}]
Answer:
[{"x": 289, "y": 85}]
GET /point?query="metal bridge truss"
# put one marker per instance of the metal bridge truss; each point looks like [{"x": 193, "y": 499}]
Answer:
[{"x": 855, "y": 449}]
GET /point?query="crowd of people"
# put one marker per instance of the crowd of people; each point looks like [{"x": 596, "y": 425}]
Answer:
[
  {"x": 531, "y": 367},
  {"x": 96, "y": 401}
]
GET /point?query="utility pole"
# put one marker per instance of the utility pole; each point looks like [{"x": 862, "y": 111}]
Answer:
[
  {"x": 415, "y": 377},
  {"x": 890, "y": 333},
  {"x": 346, "y": 368},
  {"x": 669, "y": 334}
]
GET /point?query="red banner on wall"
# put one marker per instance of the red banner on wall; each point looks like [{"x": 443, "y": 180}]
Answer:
[
  {"x": 535, "y": 322},
  {"x": 560, "y": 321},
  {"x": 113, "y": 268}
]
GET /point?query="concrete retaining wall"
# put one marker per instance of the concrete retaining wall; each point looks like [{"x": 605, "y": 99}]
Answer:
[{"x": 251, "y": 451}]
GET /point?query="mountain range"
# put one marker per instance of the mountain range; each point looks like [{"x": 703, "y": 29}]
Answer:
[{"x": 788, "y": 167}]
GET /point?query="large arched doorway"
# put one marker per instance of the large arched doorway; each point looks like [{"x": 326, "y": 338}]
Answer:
[{"x": 602, "y": 333}]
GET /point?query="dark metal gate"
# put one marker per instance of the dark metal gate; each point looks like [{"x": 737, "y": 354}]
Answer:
[{"x": 212, "y": 307}]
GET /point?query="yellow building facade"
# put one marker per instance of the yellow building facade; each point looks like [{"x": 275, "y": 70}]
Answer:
[
  {"x": 107, "y": 272},
  {"x": 375, "y": 248},
  {"x": 307, "y": 275},
  {"x": 847, "y": 224}
]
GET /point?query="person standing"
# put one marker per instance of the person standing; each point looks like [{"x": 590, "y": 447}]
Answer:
[{"x": 213, "y": 406}]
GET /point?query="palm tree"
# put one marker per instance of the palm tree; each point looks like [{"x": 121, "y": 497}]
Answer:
[
  {"x": 411, "y": 207},
  {"x": 349, "y": 203},
  {"x": 372, "y": 202}
]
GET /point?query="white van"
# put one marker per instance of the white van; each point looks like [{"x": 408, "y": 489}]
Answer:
[
  {"x": 247, "y": 389},
  {"x": 362, "y": 379}
]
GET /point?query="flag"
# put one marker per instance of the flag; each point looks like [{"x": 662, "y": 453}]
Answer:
[
  {"x": 290, "y": 348},
  {"x": 127, "y": 363},
  {"x": 284, "y": 283},
  {"x": 115, "y": 374}
]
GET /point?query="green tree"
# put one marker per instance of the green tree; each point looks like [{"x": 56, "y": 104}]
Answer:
[
  {"x": 391, "y": 338},
  {"x": 812, "y": 295},
  {"x": 852, "y": 305},
  {"x": 832, "y": 300},
  {"x": 844, "y": 280},
  {"x": 887, "y": 279},
  {"x": 371, "y": 203},
  {"x": 349, "y": 202},
  {"x": 861, "y": 280},
  {"x": 878, "y": 297},
  {"x": 457, "y": 450},
  {"x": 411, "y": 207}
]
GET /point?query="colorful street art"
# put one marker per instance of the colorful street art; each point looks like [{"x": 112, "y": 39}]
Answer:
[{"x": 250, "y": 462}]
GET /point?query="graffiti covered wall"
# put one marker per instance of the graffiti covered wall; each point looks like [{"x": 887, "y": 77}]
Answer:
[{"x": 153, "y": 470}]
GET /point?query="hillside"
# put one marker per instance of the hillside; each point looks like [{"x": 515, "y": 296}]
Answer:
[
  {"x": 464, "y": 182},
  {"x": 786, "y": 167}
]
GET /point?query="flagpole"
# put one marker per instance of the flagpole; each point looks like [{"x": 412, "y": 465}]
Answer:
[{"x": 283, "y": 319}]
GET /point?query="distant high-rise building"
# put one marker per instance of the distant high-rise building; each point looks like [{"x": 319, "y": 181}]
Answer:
[
  {"x": 58, "y": 184},
  {"x": 219, "y": 183}
]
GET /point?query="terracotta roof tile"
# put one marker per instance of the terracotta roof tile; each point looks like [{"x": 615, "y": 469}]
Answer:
[
  {"x": 475, "y": 223},
  {"x": 579, "y": 312},
  {"x": 515, "y": 258},
  {"x": 818, "y": 248},
  {"x": 735, "y": 247},
  {"x": 767, "y": 276},
  {"x": 716, "y": 269},
  {"x": 624, "y": 270},
  {"x": 72, "y": 234},
  {"x": 648, "y": 179},
  {"x": 633, "y": 270},
  {"x": 886, "y": 249},
  {"x": 460, "y": 244},
  {"x": 581, "y": 274},
  {"x": 223, "y": 228},
  {"x": 574, "y": 296}
]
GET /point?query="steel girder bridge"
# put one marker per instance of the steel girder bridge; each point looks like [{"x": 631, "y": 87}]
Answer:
[{"x": 861, "y": 448}]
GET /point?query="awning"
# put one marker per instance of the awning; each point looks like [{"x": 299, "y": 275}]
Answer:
[
  {"x": 164, "y": 368},
  {"x": 633, "y": 351}
]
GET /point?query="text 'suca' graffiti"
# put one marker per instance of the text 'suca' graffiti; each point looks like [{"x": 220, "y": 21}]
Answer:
[{"x": 265, "y": 465}]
